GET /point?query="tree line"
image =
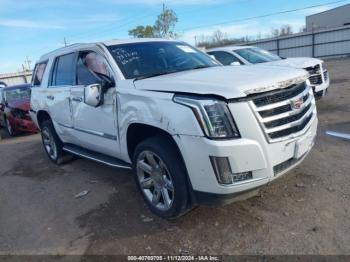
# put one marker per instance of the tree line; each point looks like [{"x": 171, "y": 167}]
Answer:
[{"x": 164, "y": 27}]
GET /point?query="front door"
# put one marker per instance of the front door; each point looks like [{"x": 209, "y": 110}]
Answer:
[{"x": 95, "y": 128}]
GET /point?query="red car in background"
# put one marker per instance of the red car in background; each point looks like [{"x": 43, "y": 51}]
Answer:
[{"x": 14, "y": 109}]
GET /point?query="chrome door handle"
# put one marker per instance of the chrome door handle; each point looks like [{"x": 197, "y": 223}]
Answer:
[
  {"x": 50, "y": 97},
  {"x": 77, "y": 99}
]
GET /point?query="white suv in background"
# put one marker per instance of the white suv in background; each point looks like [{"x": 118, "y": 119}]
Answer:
[
  {"x": 247, "y": 55},
  {"x": 192, "y": 130}
]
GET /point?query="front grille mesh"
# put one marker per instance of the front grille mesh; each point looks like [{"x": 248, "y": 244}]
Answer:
[
  {"x": 279, "y": 96},
  {"x": 289, "y": 131},
  {"x": 315, "y": 79},
  {"x": 275, "y": 111},
  {"x": 288, "y": 119},
  {"x": 316, "y": 74},
  {"x": 285, "y": 112}
]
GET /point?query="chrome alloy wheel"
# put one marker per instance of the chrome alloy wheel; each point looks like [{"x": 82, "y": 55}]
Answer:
[
  {"x": 155, "y": 180},
  {"x": 49, "y": 143}
]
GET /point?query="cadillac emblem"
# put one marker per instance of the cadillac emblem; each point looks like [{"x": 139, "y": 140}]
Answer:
[{"x": 297, "y": 103}]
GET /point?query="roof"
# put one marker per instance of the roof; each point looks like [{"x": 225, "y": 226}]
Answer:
[
  {"x": 73, "y": 47},
  {"x": 229, "y": 48},
  {"x": 135, "y": 40}
]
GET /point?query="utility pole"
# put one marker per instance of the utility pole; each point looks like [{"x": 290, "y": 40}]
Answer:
[{"x": 27, "y": 63}]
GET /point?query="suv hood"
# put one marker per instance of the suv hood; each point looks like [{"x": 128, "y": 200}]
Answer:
[
  {"x": 226, "y": 81},
  {"x": 297, "y": 62}
]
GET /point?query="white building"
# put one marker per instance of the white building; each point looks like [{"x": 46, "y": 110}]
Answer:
[{"x": 336, "y": 17}]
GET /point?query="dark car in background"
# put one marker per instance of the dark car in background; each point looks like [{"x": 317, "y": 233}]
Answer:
[{"x": 14, "y": 109}]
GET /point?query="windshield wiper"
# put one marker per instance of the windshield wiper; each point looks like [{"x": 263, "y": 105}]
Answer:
[
  {"x": 199, "y": 67},
  {"x": 153, "y": 75},
  {"x": 169, "y": 72}
]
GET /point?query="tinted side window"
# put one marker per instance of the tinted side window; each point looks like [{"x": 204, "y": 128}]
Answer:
[
  {"x": 90, "y": 67},
  {"x": 224, "y": 57},
  {"x": 63, "y": 73},
  {"x": 38, "y": 73}
]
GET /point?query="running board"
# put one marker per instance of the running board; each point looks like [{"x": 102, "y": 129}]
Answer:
[{"x": 98, "y": 157}]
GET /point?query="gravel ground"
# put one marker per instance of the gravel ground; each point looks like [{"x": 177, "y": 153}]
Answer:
[{"x": 304, "y": 212}]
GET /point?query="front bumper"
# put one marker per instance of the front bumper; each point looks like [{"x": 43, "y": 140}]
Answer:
[
  {"x": 266, "y": 161},
  {"x": 23, "y": 125},
  {"x": 321, "y": 90}
]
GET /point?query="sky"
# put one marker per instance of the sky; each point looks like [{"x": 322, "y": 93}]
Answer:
[{"x": 30, "y": 28}]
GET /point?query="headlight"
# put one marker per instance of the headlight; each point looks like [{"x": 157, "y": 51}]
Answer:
[{"x": 213, "y": 116}]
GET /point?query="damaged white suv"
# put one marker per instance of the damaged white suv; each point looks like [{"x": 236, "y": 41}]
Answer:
[{"x": 192, "y": 130}]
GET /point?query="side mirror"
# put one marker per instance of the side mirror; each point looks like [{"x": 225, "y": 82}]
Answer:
[
  {"x": 93, "y": 95},
  {"x": 235, "y": 63},
  {"x": 106, "y": 82}
]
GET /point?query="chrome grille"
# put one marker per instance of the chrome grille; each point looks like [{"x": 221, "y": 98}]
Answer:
[
  {"x": 285, "y": 113},
  {"x": 316, "y": 79},
  {"x": 315, "y": 74},
  {"x": 325, "y": 75}
]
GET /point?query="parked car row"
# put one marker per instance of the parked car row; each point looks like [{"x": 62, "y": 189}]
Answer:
[
  {"x": 194, "y": 131},
  {"x": 249, "y": 55}
]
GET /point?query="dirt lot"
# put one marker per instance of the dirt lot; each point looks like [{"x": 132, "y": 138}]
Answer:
[{"x": 305, "y": 212}]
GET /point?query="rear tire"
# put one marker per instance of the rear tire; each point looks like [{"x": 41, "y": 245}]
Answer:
[
  {"x": 53, "y": 145},
  {"x": 161, "y": 177}
]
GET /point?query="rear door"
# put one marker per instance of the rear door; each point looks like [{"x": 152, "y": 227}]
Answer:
[
  {"x": 95, "y": 128},
  {"x": 58, "y": 94}
]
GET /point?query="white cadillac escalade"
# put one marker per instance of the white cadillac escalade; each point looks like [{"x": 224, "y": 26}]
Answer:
[{"x": 192, "y": 130}]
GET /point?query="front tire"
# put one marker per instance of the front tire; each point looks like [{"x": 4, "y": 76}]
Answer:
[
  {"x": 9, "y": 127},
  {"x": 52, "y": 143},
  {"x": 160, "y": 175}
]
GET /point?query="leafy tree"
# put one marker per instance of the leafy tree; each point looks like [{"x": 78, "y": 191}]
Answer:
[
  {"x": 142, "y": 31},
  {"x": 163, "y": 27},
  {"x": 165, "y": 24}
]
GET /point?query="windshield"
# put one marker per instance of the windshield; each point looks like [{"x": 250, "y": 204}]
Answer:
[
  {"x": 257, "y": 55},
  {"x": 17, "y": 94},
  {"x": 137, "y": 60}
]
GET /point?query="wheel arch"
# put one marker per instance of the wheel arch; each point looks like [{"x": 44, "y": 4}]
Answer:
[
  {"x": 137, "y": 132},
  {"x": 42, "y": 116}
]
